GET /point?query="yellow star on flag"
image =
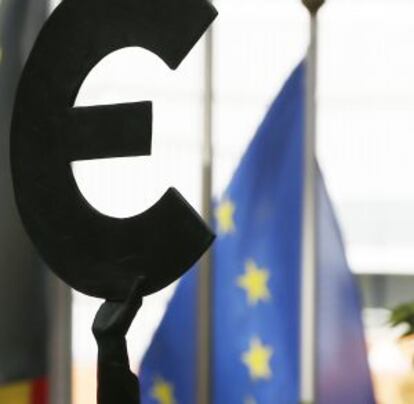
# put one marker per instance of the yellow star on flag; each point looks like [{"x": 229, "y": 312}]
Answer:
[
  {"x": 255, "y": 283},
  {"x": 257, "y": 360},
  {"x": 250, "y": 400},
  {"x": 225, "y": 217},
  {"x": 163, "y": 392}
]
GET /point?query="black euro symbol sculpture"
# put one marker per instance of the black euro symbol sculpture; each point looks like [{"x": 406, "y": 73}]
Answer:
[{"x": 98, "y": 255}]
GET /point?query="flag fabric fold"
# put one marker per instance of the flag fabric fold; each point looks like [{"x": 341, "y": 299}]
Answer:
[
  {"x": 256, "y": 293},
  {"x": 342, "y": 367}
]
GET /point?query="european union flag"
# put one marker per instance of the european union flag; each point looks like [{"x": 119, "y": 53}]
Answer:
[{"x": 256, "y": 313}]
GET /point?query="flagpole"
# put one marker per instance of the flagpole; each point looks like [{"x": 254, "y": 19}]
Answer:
[
  {"x": 60, "y": 342},
  {"x": 205, "y": 280},
  {"x": 309, "y": 273},
  {"x": 60, "y": 330}
]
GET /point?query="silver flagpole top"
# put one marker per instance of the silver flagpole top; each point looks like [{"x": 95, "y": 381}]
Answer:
[
  {"x": 309, "y": 274},
  {"x": 313, "y": 5}
]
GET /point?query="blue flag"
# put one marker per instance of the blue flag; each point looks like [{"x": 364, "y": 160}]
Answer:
[{"x": 257, "y": 282}]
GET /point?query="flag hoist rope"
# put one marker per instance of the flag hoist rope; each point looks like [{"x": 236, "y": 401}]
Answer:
[
  {"x": 205, "y": 280},
  {"x": 309, "y": 232}
]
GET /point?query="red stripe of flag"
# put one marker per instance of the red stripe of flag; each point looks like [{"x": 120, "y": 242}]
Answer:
[{"x": 39, "y": 391}]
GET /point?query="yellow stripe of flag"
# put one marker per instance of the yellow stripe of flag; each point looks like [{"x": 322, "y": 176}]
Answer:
[{"x": 17, "y": 393}]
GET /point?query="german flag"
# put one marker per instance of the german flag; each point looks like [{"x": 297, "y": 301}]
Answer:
[
  {"x": 23, "y": 319},
  {"x": 28, "y": 392}
]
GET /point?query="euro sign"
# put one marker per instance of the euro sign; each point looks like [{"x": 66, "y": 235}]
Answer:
[{"x": 93, "y": 253}]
